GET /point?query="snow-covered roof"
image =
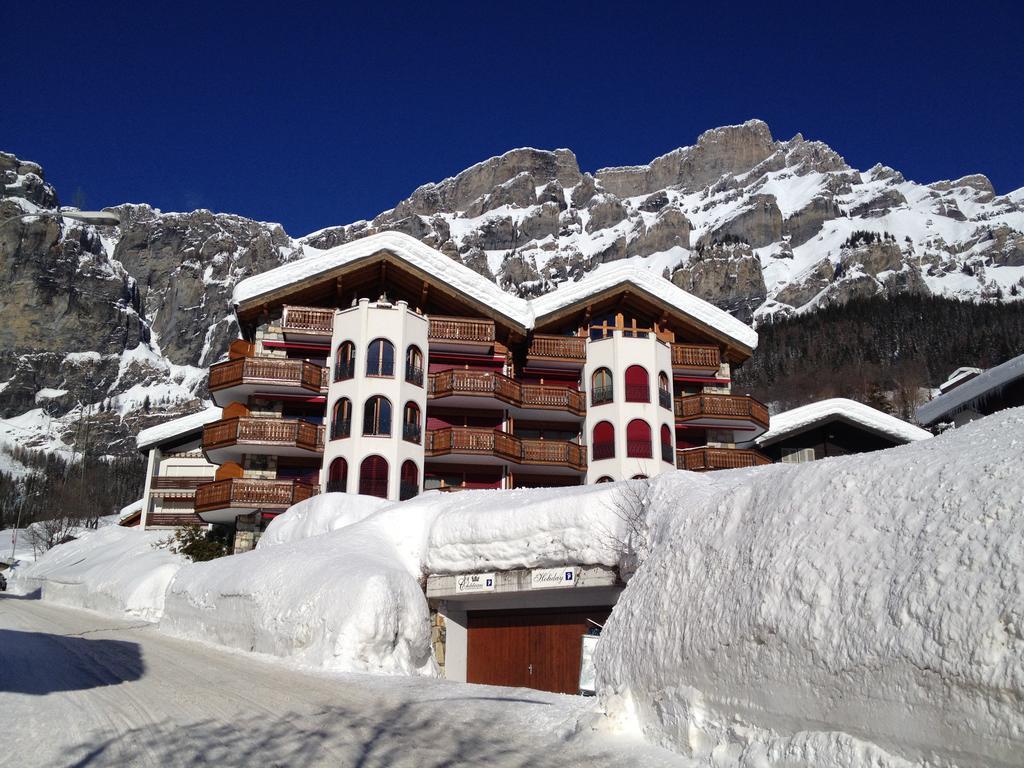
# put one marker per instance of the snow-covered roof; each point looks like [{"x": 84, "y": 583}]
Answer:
[
  {"x": 406, "y": 248},
  {"x": 958, "y": 377},
  {"x": 981, "y": 385},
  {"x": 658, "y": 287},
  {"x": 806, "y": 416},
  {"x": 463, "y": 279},
  {"x": 175, "y": 428}
]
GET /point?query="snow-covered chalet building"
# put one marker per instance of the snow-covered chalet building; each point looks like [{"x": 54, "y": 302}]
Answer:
[{"x": 383, "y": 367}]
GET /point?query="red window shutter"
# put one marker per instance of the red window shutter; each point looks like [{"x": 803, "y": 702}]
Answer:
[
  {"x": 638, "y": 439},
  {"x": 373, "y": 477},
  {"x": 638, "y": 389}
]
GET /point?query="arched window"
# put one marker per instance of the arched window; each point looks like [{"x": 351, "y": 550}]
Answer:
[
  {"x": 605, "y": 479},
  {"x": 377, "y": 416},
  {"x": 666, "y": 445},
  {"x": 601, "y": 387},
  {"x": 373, "y": 477},
  {"x": 664, "y": 391},
  {"x": 411, "y": 423},
  {"x": 604, "y": 441},
  {"x": 341, "y": 419},
  {"x": 345, "y": 361},
  {"x": 414, "y": 365},
  {"x": 410, "y": 480},
  {"x": 638, "y": 477},
  {"x": 337, "y": 476},
  {"x": 638, "y": 388},
  {"x": 638, "y": 439},
  {"x": 380, "y": 358}
]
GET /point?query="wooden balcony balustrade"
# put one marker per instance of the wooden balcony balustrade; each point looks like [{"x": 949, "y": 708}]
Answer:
[
  {"x": 487, "y": 384},
  {"x": 171, "y": 482},
  {"x": 558, "y": 347},
  {"x": 738, "y": 407},
  {"x": 311, "y": 321},
  {"x": 460, "y": 329},
  {"x": 269, "y": 371},
  {"x": 252, "y": 494},
  {"x": 281, "y": 432},
  {"x": 696, "y": 356},
  {"x": 491, "y": 442},
  {"x": 704, "y": 459}
]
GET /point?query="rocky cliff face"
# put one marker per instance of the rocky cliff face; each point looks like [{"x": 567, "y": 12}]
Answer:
[{"x": 115, "y": 319}]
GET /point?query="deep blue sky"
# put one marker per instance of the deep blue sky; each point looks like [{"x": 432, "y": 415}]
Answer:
[{"x": 320, "y": 114}]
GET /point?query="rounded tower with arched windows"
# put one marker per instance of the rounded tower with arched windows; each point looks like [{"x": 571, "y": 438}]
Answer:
[
  {"x": 629, "y": 412},
  {"x": 376, "y": 401}
]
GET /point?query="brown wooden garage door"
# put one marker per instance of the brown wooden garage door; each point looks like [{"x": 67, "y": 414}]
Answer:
[{"x": 529, "y": 649}]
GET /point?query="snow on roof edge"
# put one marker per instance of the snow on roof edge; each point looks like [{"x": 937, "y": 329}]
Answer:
[
  {"x": 956, "y": 398},
  {"x": 463, "y": 279},
  {"x": 805, "y": 416},
  {"x": 568, "y": 294},
  {"x": 168, "y": 430}
]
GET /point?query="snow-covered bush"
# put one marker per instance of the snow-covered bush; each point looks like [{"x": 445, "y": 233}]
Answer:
[{"x": 866, "y": 610}]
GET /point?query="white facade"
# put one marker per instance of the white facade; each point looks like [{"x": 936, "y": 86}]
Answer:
[
  {"x": 362, "y": 325},
  {"x": 184, "y": 461},
  {"x": 618, "y": 353}
]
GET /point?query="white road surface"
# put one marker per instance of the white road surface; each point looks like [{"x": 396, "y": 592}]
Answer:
[{"x": 80, "y": 689}]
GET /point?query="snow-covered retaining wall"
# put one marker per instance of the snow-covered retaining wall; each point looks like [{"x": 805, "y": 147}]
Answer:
[
  {"x": 115, "y": 570},
  {"x": 867, "y": 610}
]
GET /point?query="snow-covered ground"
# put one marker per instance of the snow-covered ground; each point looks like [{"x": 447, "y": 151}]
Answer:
[
  {"x": 864, "y": 610},
  {"x": 77, "y": 688}
]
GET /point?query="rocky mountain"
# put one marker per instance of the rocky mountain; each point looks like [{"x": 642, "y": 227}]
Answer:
[{"x": 118, "y": 324}]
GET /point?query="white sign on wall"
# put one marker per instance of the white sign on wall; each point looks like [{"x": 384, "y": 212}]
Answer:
[
  {"x": 549, "y": 578},
  {"x": 474, "y": 582}
]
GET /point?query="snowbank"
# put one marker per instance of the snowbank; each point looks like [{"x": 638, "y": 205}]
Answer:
[
  {"x": 114, "y": 570},
  {"x": 527, "y": 528},
  {"x": 319, "y": 515},
  {"x": 344, "y": 600},
  {"x": 865, "y": 610}
]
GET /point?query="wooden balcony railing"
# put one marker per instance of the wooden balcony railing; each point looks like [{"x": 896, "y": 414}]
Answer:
[
  {"x": 276, "y": 432},
  {"x": 252, "y": 494},
  {"x": 487, "y": 384},
  {"x": 166, "y": 482},
  {"x": 558, "y": 347},
  {"x": 739, "y": 407},
  {"x": 696, "y": 356},
  {"x": 460, "y": 329},
  {"x": 491, "y": 442},
  {"x": 315, "y": 321},
  {"x": 269, "y": 371},
  {"x": 704, "y": 459}
]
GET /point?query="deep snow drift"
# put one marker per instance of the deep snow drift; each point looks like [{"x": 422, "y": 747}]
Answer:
[
  {"x": 865, "y": 610},
  {"x": 121, "y": 571}
]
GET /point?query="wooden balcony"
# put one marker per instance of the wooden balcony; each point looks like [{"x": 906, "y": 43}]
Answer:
[
  {"x": 722, "y": 412},
  {"x": 696, "y": 357},
  {"x": 169, "y": 482},
  {"x": 458, "y": 383},
  {"x": 705, "y": 459},
  {"x": 307, "y": 323},
  {"x": 222, "y": 500},
  {"x": 228, "y": 439},
  {"x": 237, "y": 380},
  {"x": 495, "y": 447},
  {"x": 456, "y": 332},
  {"x": 562, "y": 351}
]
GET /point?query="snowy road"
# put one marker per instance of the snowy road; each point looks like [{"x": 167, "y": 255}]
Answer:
[{"x": 79, "y": 689}]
